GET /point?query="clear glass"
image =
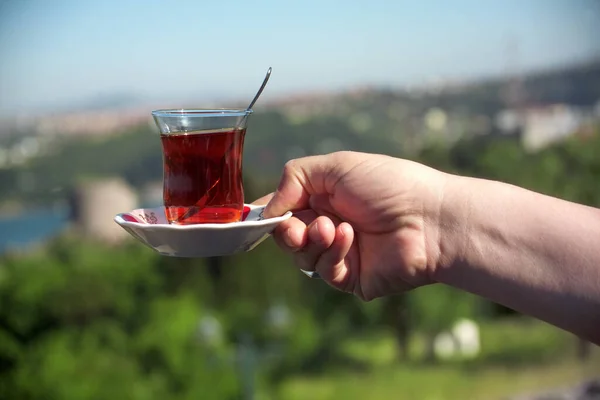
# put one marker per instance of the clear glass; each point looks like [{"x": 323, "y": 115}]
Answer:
[{"x": 202, "y": 164}]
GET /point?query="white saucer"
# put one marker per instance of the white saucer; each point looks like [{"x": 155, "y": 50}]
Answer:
[{"x": 150, "y": 226}]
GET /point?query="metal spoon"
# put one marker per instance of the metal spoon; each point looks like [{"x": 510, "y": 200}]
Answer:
[{"x": 262, "y": 87}]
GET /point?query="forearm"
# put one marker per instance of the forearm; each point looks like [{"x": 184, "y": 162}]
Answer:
[{"x": 535, "y": 254}]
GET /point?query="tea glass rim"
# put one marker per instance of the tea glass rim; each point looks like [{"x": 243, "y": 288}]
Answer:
[{"x": 201, "y": 112}]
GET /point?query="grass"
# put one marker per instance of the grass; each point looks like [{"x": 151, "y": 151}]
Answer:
[{"x": 518, "y": 356}]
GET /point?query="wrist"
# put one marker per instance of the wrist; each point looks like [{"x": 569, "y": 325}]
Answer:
[{"x": 452, "y": 226}]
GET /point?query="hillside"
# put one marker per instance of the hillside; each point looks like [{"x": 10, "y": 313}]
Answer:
[{"x": 398, "y": 123}]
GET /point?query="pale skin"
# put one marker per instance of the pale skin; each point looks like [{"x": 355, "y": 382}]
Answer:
[{"x": 374, "y": 226}]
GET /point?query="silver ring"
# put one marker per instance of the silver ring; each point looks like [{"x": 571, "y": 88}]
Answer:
[{"x": 311, "y": 274}]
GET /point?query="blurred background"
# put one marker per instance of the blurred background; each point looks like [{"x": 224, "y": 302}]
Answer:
[{"x": 507, "y": 90}]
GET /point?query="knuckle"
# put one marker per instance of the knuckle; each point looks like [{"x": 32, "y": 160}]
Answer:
[
  {"x": 290, "y": 167},
  {"x": 342, "y": 154}
]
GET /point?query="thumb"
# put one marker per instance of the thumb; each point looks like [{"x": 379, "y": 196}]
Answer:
[{"x": 301, "y": 178}]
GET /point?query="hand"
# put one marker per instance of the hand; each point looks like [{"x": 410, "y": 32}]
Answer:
[{"x": 368, "y": 224}]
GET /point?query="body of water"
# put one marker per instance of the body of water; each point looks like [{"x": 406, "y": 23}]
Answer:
[{"x": 31, "y": 227}]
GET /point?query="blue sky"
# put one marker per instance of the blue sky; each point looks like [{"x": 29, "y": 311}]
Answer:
[{"x": 57, "y": 52}]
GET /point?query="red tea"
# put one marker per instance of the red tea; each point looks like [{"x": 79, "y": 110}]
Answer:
[{"x": 203, "y": 176}]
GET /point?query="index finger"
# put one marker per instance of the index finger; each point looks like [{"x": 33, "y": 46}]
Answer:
[
  {"x": 263, "y": 200},
  {"x": 300, "y": 179}
]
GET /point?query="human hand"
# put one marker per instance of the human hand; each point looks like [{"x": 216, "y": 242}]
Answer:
[{"x": 368, "y": 224}]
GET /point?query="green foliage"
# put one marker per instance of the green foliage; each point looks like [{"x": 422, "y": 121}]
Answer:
[
  {"x": 83, "y": 320},
  {"x": 91, "y": 322},
  {"x": 382, "y": 377},
  {"x": 521, "y": 341},
  {"x": 82, "y": 364},
  {"x": 568, "y": 170},
  {"x": 95, "y": 322},
  {"x": 434, "y": 308}
]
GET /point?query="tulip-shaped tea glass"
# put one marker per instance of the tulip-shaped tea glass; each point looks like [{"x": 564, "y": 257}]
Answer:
[{"x": 202, "y": 164}]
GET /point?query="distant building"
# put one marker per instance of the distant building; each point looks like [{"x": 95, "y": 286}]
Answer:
[
  {"x": 549, "y": 125},
  {"x": 543, "y": 125},
  {"x": 94, "y": 205}
]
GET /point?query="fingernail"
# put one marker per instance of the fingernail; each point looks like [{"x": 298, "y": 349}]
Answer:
[{"x": 267, "y": 211}]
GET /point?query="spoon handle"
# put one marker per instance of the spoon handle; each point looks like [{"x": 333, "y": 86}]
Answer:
[{"x": 262, "y": 87}]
